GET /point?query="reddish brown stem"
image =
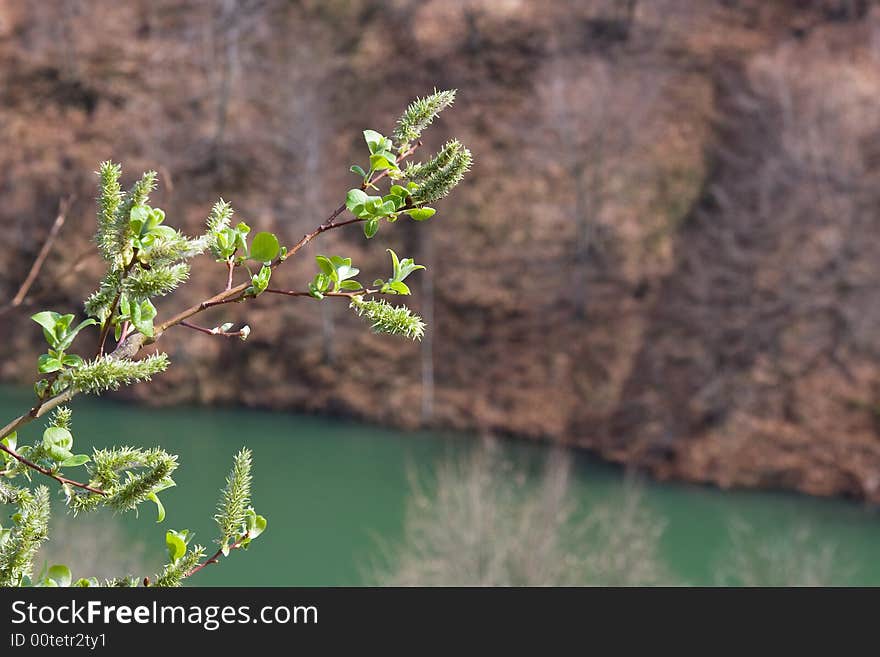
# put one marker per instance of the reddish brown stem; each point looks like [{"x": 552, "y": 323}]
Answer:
[
  {"x": 214, "y": 558},
  {"x": 47, "y": 472},
  {"x": 230, "y": 266},
  {"x": 207, "y": 331}
]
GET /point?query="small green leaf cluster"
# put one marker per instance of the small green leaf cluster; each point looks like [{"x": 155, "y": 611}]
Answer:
[
  {"x": 58, "y": 575},
  {"x": 53, "y": 452},
  {"x": 336, "y": 275},
  {"x": 382, "y": 157},
  {"x": 401, "y": 269},
  {"x": 182, "y": 558},
  {"x": 60, "y": 334},
  {"x": 138, "y": 314},
  {"x": 229, "y": 243},
  {"x": 229, "y": 240},
  {"x": 259, "y": 281}
]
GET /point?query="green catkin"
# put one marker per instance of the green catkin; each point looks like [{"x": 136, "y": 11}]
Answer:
[
  {"x": 218, "y": 220},
  {"x": 110, "y": 227},
  {"x": 420, "y": 114},
  {"x": 61, "y": 417},
  {"x": 174, "y": 573},
  {"x": 440, "y": 175},
  {"x": 154, "y": 282},
  {"x": 385, "y": 318},
  {"x": 108, "y": 373},
  {"x": 236, "y": 498},
  {"x": 30, "y": 531}
]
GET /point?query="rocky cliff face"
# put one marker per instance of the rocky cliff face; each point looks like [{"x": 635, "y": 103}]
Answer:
[{"x": 665, "y": 251}]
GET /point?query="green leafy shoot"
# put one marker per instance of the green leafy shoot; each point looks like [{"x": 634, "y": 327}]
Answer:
[
  {"x": 336, "y": 274},
  {"x": 401, "y": 269}
]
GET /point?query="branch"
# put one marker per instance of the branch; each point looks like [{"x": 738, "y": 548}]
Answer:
[
  {"x": 19, "y": 297},
  {"x": 347, "y": 295},
  {"x": 131, "y": 345},
  {"x": 226, "y": 334},
  {"x": 61, "y": 480},
  {"x": 214, "y": 558}
]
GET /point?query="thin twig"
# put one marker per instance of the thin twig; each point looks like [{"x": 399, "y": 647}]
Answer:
[
  {"x": 207, "y": 331},
  {"x": 214, "y": 558},
  {"x": 47, "y": 472},
  {"x": 347, "y": 295},
  {"x": 18, "y": 299}
]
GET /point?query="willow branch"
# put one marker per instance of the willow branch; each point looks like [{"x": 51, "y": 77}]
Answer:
[
  {"x": 214, "y": 558},
  {"x": 207, "y": 331},
  {"x": 347, "y": 295},
  {"x": 131, "y": 345}
]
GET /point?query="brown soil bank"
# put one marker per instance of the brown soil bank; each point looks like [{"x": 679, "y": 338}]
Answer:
[{"x": 666, "y": 250}]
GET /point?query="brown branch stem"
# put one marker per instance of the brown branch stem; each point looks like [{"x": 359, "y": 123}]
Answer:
[
  {"x": 214, "y": 558},
  {"x": 207, "y": 331},
  {"x": 33, "y": 466}
]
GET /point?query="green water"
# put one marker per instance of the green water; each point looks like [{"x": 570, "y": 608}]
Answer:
[{"x": 331, "y": 487}]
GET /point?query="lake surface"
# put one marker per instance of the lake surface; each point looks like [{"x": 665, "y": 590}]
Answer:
[{"x": 330, "y": 487}]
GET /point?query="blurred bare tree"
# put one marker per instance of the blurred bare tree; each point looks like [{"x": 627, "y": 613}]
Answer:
[
  {"x": 792, "y": 556},
  {"x": 96, "y": 546},
  {"x": 482, "y": 524}
]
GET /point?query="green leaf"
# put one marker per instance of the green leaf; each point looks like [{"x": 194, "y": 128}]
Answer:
[
  {"x": 374, "y": 139},
  {"x": 159, "y": 506},
  {"x": 142, "y": 317},
  {"x": 264, "y": 247},
  {"x": 397, "y": 190},
  {"x": 358, "y": 170},
  {"x": 176, "y": 543},
  {"x": 325, "y": 265},
  {"x": 354, "y": 198},
  {"x": 139, "y": 213},
  {"x": 72, "y": 360},
  {"x": 49, "y": 321},
  {"x": 60, "y": 574},
  {"x": 57, "y": 437},
  {"x": 11, "y": 441},
  {"x": 399, "y": 287},
  {"x": 256, "y": 524},
  {"x": 350, "y": 285},
  {"x": 395, "y": 263},
  {"x": 380, "y": 162},
  {"x": 74, "y": 461},
  {"x": 371, "y": 227},
  {"x": 69, "y": 336},
  {"x": 47, "y": 363},
  {"x": 82, "y": 582},
  {"x": 421, "y": 214}
]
